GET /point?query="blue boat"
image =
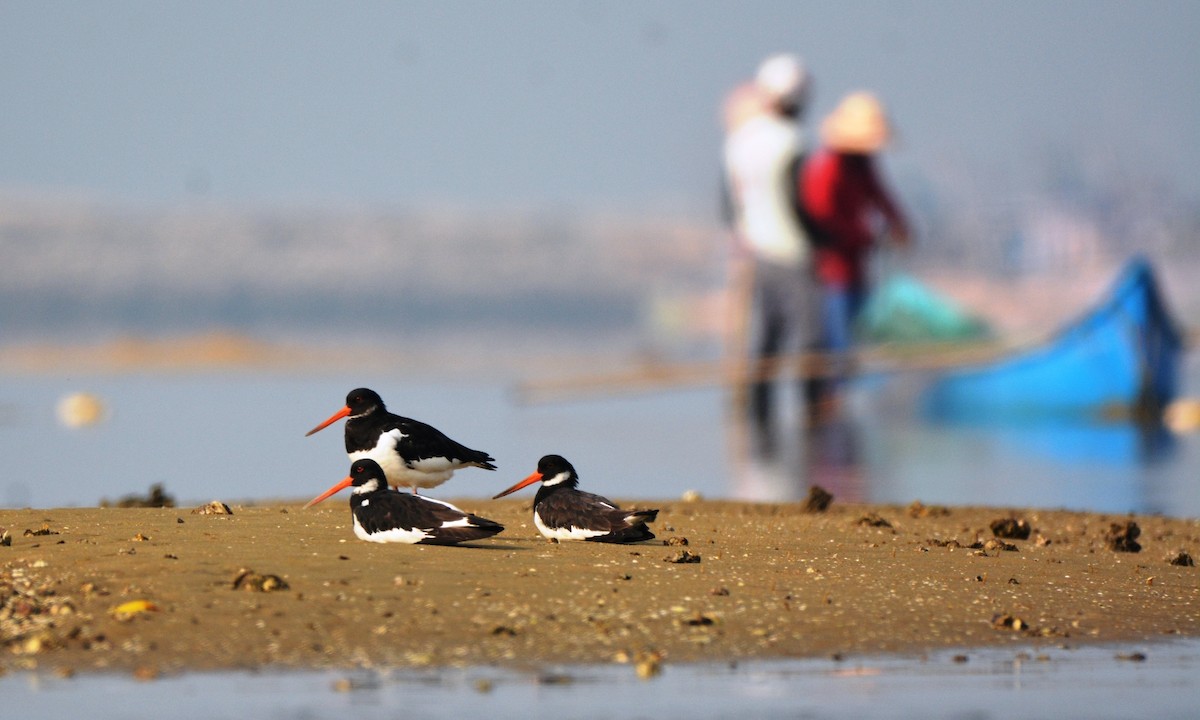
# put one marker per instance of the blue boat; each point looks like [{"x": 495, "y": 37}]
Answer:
[{"x": 1120, "y": 360}]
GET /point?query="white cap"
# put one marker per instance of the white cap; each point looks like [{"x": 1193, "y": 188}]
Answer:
[{"x": 784, "y": 78}]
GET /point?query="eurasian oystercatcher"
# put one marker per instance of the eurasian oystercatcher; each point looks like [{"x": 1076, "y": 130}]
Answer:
[
  {"x": 384, "y": 515},
  {"x": 411, "y": 453},
  {"x": 561, "y": 511}
]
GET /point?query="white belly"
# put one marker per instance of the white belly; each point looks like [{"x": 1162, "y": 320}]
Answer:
[
  {"x": 571, "y": 533},
  {"x": 395, "y": 535},
  {"x": 425, "y": 474}
]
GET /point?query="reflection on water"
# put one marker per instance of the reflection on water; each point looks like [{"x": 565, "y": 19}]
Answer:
[
  {"x": 773, "y": 463},
  {"x": 876, "y": 448}
]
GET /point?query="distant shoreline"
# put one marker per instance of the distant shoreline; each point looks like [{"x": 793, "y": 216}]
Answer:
[{"x": 230, "y": 350}]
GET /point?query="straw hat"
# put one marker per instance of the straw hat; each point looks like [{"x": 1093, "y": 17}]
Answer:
[{"x": 858, "y": 125}]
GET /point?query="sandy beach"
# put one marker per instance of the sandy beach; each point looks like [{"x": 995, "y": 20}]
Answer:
[{"x": 153, "y": 591}]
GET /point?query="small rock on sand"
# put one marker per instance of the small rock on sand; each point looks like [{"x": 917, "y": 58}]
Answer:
[
  {"x": 1122, "y": 537},
  {"x": 1011, "y": 529},
  {"x": 250, "y": 580},
  {"x": 818, "y": 500},
  {"x": 1182, "y": 559}
]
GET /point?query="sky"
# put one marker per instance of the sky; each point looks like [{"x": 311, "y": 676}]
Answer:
[{"x": 589, "y": 106}]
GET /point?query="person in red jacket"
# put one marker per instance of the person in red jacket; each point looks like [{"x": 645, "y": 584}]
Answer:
[{"x": 845, "y": 202}]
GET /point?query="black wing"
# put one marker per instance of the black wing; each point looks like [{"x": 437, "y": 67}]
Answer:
[
  {"x": 422, "y": 441},
  {"x": 595, "y": 512},
  {"x": 442, "y": 522}
]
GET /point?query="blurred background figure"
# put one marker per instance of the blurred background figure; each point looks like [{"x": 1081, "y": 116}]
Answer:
[
  {"x": 80, "y": 409},
  {"x": 771, "y": 283},
  {"x": 847, "y": 207}
]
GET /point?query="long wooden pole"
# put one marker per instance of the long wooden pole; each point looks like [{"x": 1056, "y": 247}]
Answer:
[{"x": 664, "y": 376}]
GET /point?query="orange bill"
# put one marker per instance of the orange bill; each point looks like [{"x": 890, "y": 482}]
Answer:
[
  {"x": 536, "y": 477},
  {"x": 345, "y": 483},
  {"x": 332, "y": 419}
]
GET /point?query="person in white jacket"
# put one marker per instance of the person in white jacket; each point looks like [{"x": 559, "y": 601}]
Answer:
[{"x": 763, "y": 150}]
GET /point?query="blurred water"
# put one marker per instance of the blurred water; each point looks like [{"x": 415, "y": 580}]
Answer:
[
  {"x": 879, "y": 452},
  {"x": 240, "y": 436},
  {"x": 1095, "y": 683}
]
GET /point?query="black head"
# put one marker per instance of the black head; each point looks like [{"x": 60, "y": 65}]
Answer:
[
  {"x": 552, "y": 471},
  {"x": 365, "y": 476},
  {"x": 555, "y": 470},
  {"x": 358, "y": 403},
  {"x": 363, "y": 471},
  {"x": 363, "y": 400}
]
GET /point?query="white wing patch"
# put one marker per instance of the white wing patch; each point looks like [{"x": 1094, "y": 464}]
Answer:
[
  {"x": 443, "y": 503},
  {"x": 571, "y": 533}
]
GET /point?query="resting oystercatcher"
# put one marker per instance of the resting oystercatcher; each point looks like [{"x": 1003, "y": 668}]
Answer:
[
  {"x": 411, "y": 453},
  {"x": 561, "y": 511},
  {"x": 384, "y": 515}
]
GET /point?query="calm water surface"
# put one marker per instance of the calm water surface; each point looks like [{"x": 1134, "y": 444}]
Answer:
[
  {"x": 1097, "y": 683},
  {"x": 240, "y": 436}
]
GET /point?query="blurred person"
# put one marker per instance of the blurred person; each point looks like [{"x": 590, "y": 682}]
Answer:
[
  {"x": 846, "y": 203},
  {"x": 772, "y": 283}
]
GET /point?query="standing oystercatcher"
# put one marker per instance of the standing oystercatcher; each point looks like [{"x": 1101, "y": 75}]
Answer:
[
  {"x": 383, "y": 515},
  {"x": 411, "y": 453},
  {"x": 561, "y": 511}
]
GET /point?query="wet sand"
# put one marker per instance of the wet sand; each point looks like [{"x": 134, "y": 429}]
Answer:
[{"x": 274, "y": 585}]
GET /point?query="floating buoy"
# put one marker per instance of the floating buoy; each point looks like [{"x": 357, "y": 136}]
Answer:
[{"x": 80, "y": 410}]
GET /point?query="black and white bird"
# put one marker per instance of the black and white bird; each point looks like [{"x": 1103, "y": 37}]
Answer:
[
  {"x": 384, "y": 515},
  {"x": 561, "y": 511},
  {"x": 411, "y": 453}
]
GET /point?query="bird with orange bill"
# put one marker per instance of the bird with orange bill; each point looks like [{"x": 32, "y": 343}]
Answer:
[
  {"x": 411, "y": 453},
  {"x": 561, "y": 511},
  {"x": 383, "y": 515}
]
